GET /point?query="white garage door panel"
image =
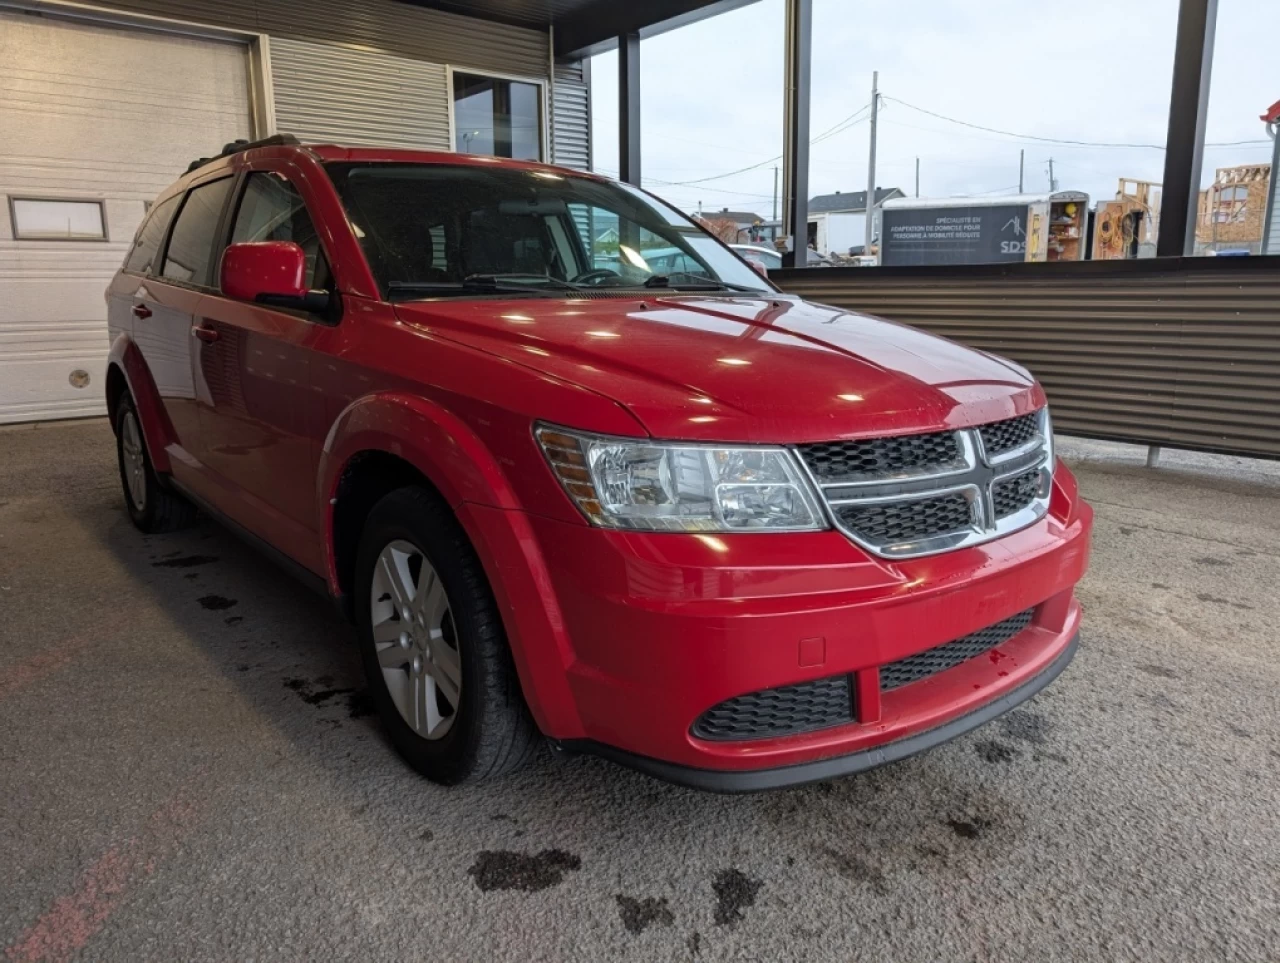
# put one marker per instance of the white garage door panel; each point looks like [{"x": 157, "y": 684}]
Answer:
[{"x": 92, "y": 111}]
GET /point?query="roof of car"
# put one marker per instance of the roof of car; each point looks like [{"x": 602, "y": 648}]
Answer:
[{"x": 285, "y": 145}]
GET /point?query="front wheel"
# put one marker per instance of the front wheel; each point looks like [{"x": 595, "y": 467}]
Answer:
[
  {"x": 152, "y": 507},
  {"x": 434, "y": 651}
]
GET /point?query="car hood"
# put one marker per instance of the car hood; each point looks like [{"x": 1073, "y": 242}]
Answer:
[{"x": 749, "y": 369}]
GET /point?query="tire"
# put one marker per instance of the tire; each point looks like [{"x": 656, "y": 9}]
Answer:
[
  {"x": 469, "y": 720},
  {"x": 153, "y": 507}
]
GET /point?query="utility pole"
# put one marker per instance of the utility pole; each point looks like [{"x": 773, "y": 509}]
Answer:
[
  {"x": 1053, "y": 182},
  {"x": 871, "y": 163},
  {"x": 775, "y": 193},
  {"x": 917, "y": 177},
  {"x": 1022, "y": 168}
]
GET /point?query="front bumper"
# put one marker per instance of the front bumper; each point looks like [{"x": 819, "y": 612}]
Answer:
[
  {"x": 654, "y": 630},
  {"x": 755, "y": 780}
]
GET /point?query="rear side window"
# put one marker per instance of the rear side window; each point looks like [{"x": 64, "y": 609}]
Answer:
[
  {"x": 190, "y": 250},
  {"x": 272, "y": 210},
  {"x": 146, "y": 245}
]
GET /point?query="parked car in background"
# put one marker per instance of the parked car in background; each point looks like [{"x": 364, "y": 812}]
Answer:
[
  {"x": 659, "y": 511},
  {"x": 771, "y": 260}
]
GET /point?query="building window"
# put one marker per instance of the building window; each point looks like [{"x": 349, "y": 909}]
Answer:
[
  {"x": 46, "y": 219},
  {"x": 499, "y": 117}
]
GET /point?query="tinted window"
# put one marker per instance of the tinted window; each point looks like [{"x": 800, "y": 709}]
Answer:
[
  {"x": 191, "y": 244},
  {"x": 272, "y": 210},
  {"x": 147, "y": 242}
]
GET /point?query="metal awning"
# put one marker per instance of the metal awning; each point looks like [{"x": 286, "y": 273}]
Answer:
[{"x": 584, "y": 27}]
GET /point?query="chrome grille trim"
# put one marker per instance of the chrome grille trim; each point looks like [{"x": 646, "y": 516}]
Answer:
[{"x": 977, "y": 478}]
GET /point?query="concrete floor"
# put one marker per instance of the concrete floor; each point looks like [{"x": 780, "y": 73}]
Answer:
[{"x": 189, "y": 771}]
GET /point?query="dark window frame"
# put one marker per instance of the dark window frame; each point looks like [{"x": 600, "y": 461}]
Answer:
[
  {"x": 544, "y": 145},
  {"x": 216, "y": 241}
]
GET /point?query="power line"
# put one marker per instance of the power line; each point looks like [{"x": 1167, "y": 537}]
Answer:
[
  {"x": 1056, "y": 140},
  {"x": 839, "y": 128}
]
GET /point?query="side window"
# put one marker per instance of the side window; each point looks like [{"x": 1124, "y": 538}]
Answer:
[
  {"x": 190, "y": 250},
  {"x": 271, "y": 209},
  {"x": 146, "y": 244}
]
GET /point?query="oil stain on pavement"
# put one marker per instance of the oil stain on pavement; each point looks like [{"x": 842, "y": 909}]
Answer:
[
  {"x": 735, "y": 891},
  {"x": 637, "y": 914},
  {"x": 503, "y": 869}
]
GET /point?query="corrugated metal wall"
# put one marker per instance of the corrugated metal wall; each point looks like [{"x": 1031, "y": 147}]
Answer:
[
  {"x": 384, "y": 25},
  {"x": 1181, "y": 352},
  {"x": 333, "y": 94},
  {"x": 374, "y": 72}
]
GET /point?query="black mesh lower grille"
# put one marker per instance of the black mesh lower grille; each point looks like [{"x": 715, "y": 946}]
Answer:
[
  {"x": 932, "y": 661},
  {"x": 883, "y": 457},
  {"x": 1003, "y": 436},
  {"x": 779, "y": 712},
  {"x": 889, "y": 523},
  {"x": 1015, "y": 494}
]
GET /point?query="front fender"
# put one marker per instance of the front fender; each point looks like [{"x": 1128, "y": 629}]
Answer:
[
  {"x": 428, "y": 436},
  {"x": 157, "y": 429},
  {"x": 457, "y": 462}
]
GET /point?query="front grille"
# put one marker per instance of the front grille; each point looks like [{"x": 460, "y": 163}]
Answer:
[
  {"x": 887, "y": 523},
  {"x": 1016, "y": 493},
  {"x": 1005, "y": 436},
  {"x": 932, "y": 661},
  {"x": 883, "y": 457},
  {"x": 915, "y": 495},
  {"x": 779, "y": 712}
]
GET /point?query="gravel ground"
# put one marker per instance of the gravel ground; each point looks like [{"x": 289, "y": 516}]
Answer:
[{"x": 189, "y": 771}]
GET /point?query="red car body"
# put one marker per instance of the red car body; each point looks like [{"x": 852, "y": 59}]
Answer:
[{"x": 622, "y": 639}]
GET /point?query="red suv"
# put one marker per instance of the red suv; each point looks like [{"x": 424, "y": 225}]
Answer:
[{"x": 681, "y": 520}]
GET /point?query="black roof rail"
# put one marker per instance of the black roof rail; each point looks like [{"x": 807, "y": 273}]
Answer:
[{"x": 236, "y": 146}]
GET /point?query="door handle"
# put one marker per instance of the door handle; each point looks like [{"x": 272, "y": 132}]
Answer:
[
  {"x": 207, "y": 335},
  {"x": 141, "y": 311}
]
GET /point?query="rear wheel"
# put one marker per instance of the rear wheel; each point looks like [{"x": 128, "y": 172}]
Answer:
[
  {"x": 153, "y": 507},
  {"x": 434, "y": 651}
]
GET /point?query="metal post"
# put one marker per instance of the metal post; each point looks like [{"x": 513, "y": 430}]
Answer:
[
  {"x": 917, "y": 177},
  {"x": 871, "y": 164},
  {"x": 1273, "y": 193},
  {"x": 629, "y": 108},
  {"x": 1053, "y": 181},
  {"x": 775, "y": 195},
  {"x": 1188, "y": 108},
  {"x": 1153, "y": 456},
  {"x": 1022, "y": 169},
  {"x": 795, "y": 128}
]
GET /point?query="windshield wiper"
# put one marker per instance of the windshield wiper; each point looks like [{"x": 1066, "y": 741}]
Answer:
[
  {"x": 664, "y": 281},
  {"x": 485, "y": 284},
  {"x": 521, "y": 282}
]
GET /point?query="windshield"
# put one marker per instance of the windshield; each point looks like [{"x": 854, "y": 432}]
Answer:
[{"x": 437, "y": 230}]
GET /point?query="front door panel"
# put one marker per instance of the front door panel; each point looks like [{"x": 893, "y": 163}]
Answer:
[{"x": 260, "y": 421}]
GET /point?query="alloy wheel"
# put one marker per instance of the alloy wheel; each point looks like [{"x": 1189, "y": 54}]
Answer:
[
  {"x": 134, "y": 461},
  {"x": 415, "y": 639}
]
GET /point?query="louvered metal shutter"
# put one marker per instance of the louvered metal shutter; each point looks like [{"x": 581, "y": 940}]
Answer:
[{"x": 572, "y": 113}]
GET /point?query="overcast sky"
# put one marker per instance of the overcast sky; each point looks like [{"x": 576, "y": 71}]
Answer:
[{"x": 1085, "y": 70}]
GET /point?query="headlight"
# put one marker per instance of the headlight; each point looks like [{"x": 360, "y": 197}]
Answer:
[{"x": 619, "y": 483}]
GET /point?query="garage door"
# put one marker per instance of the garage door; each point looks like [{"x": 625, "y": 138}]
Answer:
[{"x": 94, "y": 121}]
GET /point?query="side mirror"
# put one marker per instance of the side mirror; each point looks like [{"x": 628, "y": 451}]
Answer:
[{"x": 272, "y": 273}]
